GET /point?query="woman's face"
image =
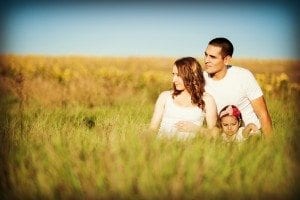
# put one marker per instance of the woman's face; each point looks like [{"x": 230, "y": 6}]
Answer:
[
  {"x": 177, "y": 80},
  {"x": 230, "y": 125}
]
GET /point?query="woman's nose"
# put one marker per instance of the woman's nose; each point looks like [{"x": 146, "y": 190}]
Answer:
[{"x": 174, "y": 78}]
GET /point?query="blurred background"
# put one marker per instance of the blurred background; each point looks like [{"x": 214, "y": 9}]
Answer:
[
  {"x": 78, "y": 85},
  {"x": 258, "y": 29}
]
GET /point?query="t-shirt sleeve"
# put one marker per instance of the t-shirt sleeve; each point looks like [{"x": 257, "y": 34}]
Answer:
[
  {"x": 239, "y": 136},
  {"x": 252, "y": 88}
]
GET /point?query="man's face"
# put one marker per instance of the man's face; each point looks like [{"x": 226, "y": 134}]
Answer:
[{"x": 214, "y": 61}]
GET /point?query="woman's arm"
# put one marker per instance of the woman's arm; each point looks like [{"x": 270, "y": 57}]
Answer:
[
  {"x": 158, "y": 110},
  {"x": 210, "y": 110}
]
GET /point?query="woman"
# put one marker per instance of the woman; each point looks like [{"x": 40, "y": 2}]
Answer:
[{"x": 181, "y": 112}]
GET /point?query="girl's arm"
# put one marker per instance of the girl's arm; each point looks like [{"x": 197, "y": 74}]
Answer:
[{"x": 158, "y": 110}]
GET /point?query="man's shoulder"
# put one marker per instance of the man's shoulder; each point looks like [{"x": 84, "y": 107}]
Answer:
[{"x": 239, "y": 70}]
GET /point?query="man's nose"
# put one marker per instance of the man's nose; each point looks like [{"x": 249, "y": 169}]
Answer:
[{"x": 206, "y": 59}]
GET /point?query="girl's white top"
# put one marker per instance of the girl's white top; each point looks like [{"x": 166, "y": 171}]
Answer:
[
  {"x": 174, "y": 113},
  {"x": 238, "y": 137}
]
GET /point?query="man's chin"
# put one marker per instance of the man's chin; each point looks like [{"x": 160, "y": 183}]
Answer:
[{"x": 211, "y": 74}]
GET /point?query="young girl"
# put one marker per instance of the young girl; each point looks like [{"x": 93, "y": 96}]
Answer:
[
  {"x": 181, "y": 111},
  {"x": 232, "y": 125}
]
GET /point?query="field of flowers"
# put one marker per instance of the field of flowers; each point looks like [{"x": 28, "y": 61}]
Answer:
[{"x": 77, "y": 127}]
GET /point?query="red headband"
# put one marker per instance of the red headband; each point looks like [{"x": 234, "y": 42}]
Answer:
[{"x": 231, "y": 111}]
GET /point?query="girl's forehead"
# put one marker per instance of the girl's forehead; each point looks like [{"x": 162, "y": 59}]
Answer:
[{"x": 229, "y": 118}]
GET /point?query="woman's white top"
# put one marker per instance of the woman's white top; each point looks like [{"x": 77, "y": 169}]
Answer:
[{"x": 174, "y": 113}]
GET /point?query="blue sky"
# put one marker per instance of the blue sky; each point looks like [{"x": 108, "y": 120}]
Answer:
[{"x": 257, "y": 30}]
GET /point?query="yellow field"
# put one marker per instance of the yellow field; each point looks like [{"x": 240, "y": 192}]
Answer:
[
  {"x": 77, "y": 128},
  {"x": 97, "y": 80}
]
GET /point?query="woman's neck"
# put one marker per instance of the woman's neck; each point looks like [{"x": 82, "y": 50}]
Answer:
[{"x": 183, "y": 99}]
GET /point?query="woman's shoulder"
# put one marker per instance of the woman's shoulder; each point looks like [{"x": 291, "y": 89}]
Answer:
[
  {"x": 165, "y": 94},
  {"x": 207, "y": 97}
]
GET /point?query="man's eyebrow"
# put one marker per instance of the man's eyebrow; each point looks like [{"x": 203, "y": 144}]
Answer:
[{"x": 212, "y": 56}]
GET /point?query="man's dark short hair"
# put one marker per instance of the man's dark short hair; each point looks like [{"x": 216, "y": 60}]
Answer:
[{"x": 225, "y": 44}]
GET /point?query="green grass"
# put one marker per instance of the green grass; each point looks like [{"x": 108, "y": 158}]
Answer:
[
  {"x": 107, "y": 152},
  {"x": 85, "y": 136}
]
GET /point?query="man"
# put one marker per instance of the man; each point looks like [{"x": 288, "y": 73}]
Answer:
[{"x": 231, "y": 85}]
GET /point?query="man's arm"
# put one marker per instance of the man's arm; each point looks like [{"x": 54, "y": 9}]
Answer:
[{"x": 260, "y": 109}]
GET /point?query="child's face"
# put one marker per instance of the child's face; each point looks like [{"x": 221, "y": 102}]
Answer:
[{"x": 230, "y": 125}]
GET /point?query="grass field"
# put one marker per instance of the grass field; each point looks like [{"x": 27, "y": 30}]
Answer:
[{"x": 77, "y": 128}]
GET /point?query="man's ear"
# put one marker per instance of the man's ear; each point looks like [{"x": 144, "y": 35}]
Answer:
[{"x": 227, "y": 60}]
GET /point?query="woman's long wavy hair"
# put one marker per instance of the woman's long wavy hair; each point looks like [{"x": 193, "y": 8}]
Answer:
[{"x": 189, "y": 69}]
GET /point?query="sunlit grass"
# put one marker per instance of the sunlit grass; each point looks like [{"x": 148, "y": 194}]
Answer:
[{"x": 82, "y": 132}]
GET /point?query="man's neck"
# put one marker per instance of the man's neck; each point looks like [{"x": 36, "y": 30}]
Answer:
[{"x": 220, "y": 74}]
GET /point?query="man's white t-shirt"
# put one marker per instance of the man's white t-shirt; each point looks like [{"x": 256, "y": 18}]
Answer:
[{"x": 238, "y": 88}]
